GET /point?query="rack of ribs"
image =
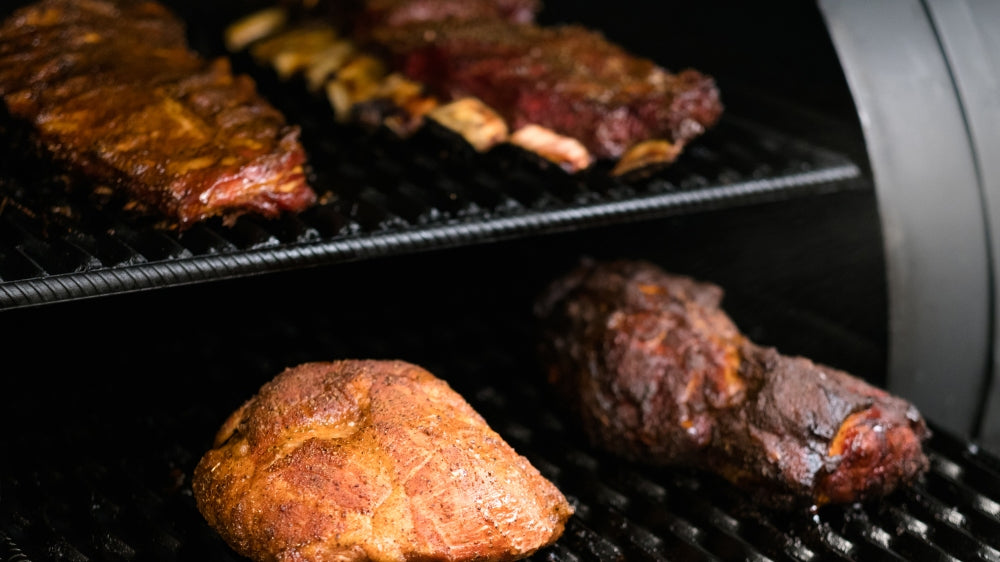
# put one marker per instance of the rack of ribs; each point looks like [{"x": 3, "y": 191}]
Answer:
[
  {"x": 112, "y": 90},
  {"x": 659, "y": 373},
  {"x": 372, "y": 14},
  {"x": 564, "y": 92}
]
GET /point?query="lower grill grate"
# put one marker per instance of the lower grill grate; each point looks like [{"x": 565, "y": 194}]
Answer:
[
  {"x": 100, "y": 469},
  {"x": 140, "y": 508}
]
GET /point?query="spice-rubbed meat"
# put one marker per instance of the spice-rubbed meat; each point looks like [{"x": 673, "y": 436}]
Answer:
[
  {"x": 381, "y": 13},
  {"x": 371, "y": 460},
  {"x": 363, "y": 15},
  {"x": 566, "y": 78},
  {"x": 659, "y": 373},
  {"x": 112, "y": 90},
  {"x": 577, "y": 96}
]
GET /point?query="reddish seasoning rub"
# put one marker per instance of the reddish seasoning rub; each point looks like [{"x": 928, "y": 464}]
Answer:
[
  {"x": 112, "y": 90},
  {"x": 659, "y": 373},
  {"x": 371, "y": 460}
]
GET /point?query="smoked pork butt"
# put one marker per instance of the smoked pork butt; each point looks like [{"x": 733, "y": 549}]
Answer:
[
  {"x": 371, "y": 460},
  {"x": 659, "y": 373}
]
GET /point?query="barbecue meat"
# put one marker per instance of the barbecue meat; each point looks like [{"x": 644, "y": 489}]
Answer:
[
  {"x": 364, "y": 15},
  {"x": 371, "y": 460},
  {"x": 659, "y": 373},
  {"x": 394, "y": 13},
  {"x": 112, "y": 90},
  {"x": 569, "y": 80},
  {"x": 566, "y": 78}
]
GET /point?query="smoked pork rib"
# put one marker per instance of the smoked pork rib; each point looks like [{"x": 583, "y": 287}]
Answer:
[
  {"x": 378, "y": 460},
  {"x": 394, "y": 13},
  {"x": 566, "y": 78},
  {"x": 112, "y": 90},
  {"x": 563, "y": 91},
  {"x": 659, "y": 373},
  {"x": 361, "y": 16}
]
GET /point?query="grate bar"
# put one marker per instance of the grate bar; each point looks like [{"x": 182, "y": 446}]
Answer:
[{"x": 380, "y": 195}]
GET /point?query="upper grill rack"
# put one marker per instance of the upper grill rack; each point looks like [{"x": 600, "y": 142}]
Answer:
[{"x": 380, "y": 196}]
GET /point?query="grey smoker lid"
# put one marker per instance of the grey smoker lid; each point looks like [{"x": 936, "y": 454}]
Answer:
[
  {"x": 969, "y": 31},
  {"x": 930, "y": 204}
]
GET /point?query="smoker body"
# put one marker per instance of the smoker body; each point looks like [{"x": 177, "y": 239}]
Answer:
[{"x": 844, "y": 219}]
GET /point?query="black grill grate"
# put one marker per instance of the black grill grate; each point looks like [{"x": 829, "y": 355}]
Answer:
[
  {"x": 125, "y": 510},
  {"x": 99, "y": 471},
  {"x": 386, "y": 197},
  {"x": 381, "y": 196}
]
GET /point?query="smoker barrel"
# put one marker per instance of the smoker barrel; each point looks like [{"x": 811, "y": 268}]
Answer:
[
  {"x": 937, "y": 191},
  {"x": 126, "y": 345}
]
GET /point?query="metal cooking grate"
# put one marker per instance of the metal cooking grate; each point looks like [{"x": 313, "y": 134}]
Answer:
[
  {"x": 382, "y": 196},
  {"x": 102, "y": 475},
  {"x": 385, "y": 197},
  {"x": 127, "y": 510}
]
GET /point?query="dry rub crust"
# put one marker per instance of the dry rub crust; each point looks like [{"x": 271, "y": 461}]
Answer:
[
  {"x": 659, "y": 373},
  {"x": 111, "y": 89},
  {"x": 371, "y": 460}
]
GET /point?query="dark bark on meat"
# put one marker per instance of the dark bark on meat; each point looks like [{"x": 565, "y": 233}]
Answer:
[
  {"x": 395, "y": 13},
  {"x": 566, "y": 78},
  {"x": 361, "y": 17},
  {"x": 659, "y": 373},
  {"x": 112, "y": 90}
]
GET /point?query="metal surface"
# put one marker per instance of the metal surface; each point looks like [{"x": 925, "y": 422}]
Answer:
[
  {"x": 382, "y": 196},
  {"x": 970, "y": 35},
  {"x": 122, "y": 511},
  {"x": 930, "y": 204}
]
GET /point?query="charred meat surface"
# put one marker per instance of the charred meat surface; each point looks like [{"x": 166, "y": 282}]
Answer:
[
  {"x": 394, "y": 13},
  {"x": 112, "y": 90},
  {"x": 371, "y": 460},
  {"x": 659, "y": 373},
  {"x": 567, "y": 78},
  {"x": 588, "y": 97}
]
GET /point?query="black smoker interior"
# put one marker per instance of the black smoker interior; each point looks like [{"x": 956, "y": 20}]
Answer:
[{"x": 126, "y": 347}]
